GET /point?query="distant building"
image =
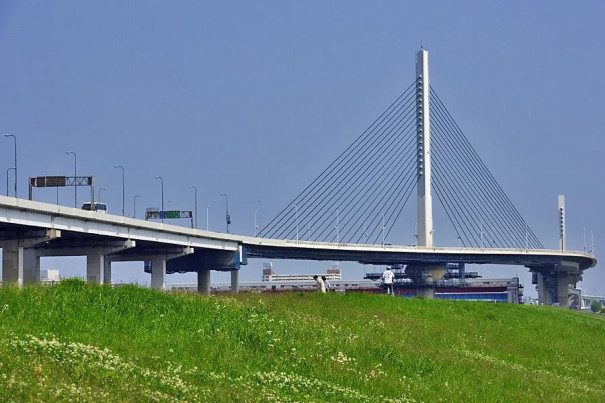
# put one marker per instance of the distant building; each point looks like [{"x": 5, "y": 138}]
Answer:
[
  {"x": 480, "y": 289},
  {"x": 588, "y": 299},
  {"x": 271, "y": 276},
  {"x": 50, "y": 276},
  {"x": 273, "y": 282}
]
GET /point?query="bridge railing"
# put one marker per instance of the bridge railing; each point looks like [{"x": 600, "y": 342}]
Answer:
[{"x": 294, "y": 242}]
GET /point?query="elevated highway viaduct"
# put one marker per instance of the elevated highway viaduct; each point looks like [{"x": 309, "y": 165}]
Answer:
[{"x": 30, "y": 230}]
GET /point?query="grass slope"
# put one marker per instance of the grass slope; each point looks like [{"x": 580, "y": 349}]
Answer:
[{"x": 83, "y": 342}]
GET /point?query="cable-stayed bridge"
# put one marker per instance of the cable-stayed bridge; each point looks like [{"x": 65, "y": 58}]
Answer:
[
  {"x": 361, "y": 195},
  {"x": 347, "y": 213}
]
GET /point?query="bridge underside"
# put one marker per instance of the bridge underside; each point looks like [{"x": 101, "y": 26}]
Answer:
[
  {"x": 24, "y": 245},
  {"x": 552, "y": 274},
  {"x": 385, "y": 257}
]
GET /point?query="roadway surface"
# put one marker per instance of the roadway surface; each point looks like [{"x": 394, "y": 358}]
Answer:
[{"x": 22, "y": 219}]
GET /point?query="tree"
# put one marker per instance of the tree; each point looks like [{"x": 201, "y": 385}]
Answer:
[{"x": 595, "y": 306}]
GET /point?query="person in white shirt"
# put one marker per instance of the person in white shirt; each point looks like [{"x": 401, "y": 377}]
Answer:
[
  {"x": 321, "y": 286},
  {"x": 387, "y": 279},
  {"x": 327, "y": 283}
]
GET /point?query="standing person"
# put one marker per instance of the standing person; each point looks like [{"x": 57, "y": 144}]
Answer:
[
  {"x": 321, "y": 286},
  {"x": 327, "y": 283},
  {"x": 387, "y": 279}
]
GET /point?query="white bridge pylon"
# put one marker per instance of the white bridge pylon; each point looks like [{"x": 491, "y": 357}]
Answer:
[{"x": 423, "y": 148}]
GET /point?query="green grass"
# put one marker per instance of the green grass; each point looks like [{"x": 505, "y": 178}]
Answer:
[{"x": 83, "y": 342}]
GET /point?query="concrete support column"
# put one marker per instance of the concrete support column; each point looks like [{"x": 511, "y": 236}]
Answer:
[
  {"x": 12, "y": 263},
  {"x": 95, "y": 267},
  {"x": 203, "y": 281},
  {"x": 235, "y": 281},
  {"x": 553, "y": 287},
  {"x": 563, "y": 290},
  {"x": 425, "y": 277},
  {"x": 107, "y": 272},
  {"x": 545, "y": 296},
  {"x": 426, "y": 292},
  {"x": 31, "y": 267},
  {"x": 158, "y": 273}
]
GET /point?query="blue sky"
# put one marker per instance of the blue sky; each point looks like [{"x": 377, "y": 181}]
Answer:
[{"x": 254, "y": 99}]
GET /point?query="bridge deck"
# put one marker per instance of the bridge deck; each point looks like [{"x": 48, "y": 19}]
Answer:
[{"x": 84, "y": 228}]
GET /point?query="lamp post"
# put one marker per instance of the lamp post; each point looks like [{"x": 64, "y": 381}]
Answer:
[
  {"x": 195, "y": 202},
  {"x": 7, "y": 172},
  {"x": 162, "y": 179},
  {"x": 208, "y": 218},
  {"x": 260, "y": 221},
  {"x": 99, "y": 197},
  {"x": 134, "y": 207},
  {"x": 14, "y": 138},
  {"x": 121, "y": 167},
  {"x": 336, "y": 227},
  {"x": 296, "y": 217},
  {"x": 383, "y": 228},
  {"x": 75, "y": 177},
  {"x": 227, "y": 217},
  {"x": 255, "y": 224}
]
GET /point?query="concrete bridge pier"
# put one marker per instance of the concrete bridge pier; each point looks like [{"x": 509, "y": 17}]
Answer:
[
  {"x": 205, "y": 260},
  {"x": 159, "y": 261},
  {"x": 553, "y": 283},
  {"x": 21, "y": 265},
  {"x": 106, "y": 271},
  {"x": 12, "y": 262},
  {"x": 203, "y": 281},
  {"x": 95, "y": 266},
  {"x": 158, "y": 273},
  {"x": 31, "y": 266},
  {"x": 235, "y": 281},
  {"x": 425, "y": 277},
  {"x": 98, "y": 261}
]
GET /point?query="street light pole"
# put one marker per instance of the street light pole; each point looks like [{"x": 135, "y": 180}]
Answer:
[
  {"x": 7, "y": 172},
  {"x": 337, "y": 233},
  {"x": 260, "y": 221},
  {"x": 162, "y": 179},
  {"x": 14, "y": 138},
  {"x": 99, "y": 197},
  {"x": 296, "y": 214},
  {"x": 134, "y": 215},
  {"x": 383, "y": 228},
  {"x": 195, "y": 201},
  {"x": 227, "y": 217},
  {"x": 123, "y": 186},
  {"x": 75, "y": 177},
  {"x": 255, "y": 225}
]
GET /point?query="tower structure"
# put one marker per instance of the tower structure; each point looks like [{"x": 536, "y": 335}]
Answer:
[
  {"x": 562, "y": 222},
  {"x": 423, "y": 150}
]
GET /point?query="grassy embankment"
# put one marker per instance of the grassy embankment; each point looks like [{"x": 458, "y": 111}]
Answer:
[{"x": 81, "y": 342}]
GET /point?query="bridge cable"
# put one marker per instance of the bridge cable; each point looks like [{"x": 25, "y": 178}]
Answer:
[
  {"x": 463, "y": 169},
  {"x": 374, "y": 154},
  {"x": 407, "y": 150},
  {"x": 504, "y": 202},
  {"x": 445, "y": 193},
  {"x": 478, "y": 206},
  {"x": 334, "y": 188},
  {"x": 382, "y": 172},
  {"x": 367, "y": 136}
]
